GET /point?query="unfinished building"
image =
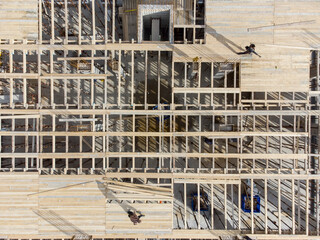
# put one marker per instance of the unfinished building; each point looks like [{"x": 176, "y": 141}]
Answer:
[{"x": 110, "y": 106}]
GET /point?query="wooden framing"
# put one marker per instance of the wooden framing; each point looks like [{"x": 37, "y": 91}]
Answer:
[{"x": 81, "y": 103}]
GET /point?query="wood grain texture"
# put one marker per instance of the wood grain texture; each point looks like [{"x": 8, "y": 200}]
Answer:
[
  {"x": 19, "y": 19},
  {"x": 73, "y": 204},
  {"x": 16, "y": 207},
  {"x": 73, "y": 210},
  {"x": 158, "y": 217},
  {"x": 279, "y": 69}
]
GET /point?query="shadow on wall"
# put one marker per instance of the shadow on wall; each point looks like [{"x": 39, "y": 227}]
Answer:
[
  {"x": 60, "y": 223},
  {"x": 312, "y": 40},
  {"x": 223, "y": 40},
  {"x": 122, "y": 203}
]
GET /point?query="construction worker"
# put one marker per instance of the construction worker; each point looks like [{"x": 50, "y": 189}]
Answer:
[
  {"x": 249, "y": 50},
  {"x": 134, "y": 217}
]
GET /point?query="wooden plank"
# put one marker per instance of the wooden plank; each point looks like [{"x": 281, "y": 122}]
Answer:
[
  {"x": 149, "y": 134},
  {"x": 19, "y": 19},
  {"x": 138, "y": 186},
  {"x": 16, "y": 207},
  {"x": 137, "y": 190},
  {"x": 157, "y": 217}
]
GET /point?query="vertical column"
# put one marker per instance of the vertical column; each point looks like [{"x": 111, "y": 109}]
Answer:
[
  {"x": 132, "y": 78},
  {"x": 52, "y": 21},
  {"x": 212, "y": 207},
  {"x": 92, "y": 80},
  {"x": 199, "y": 139},
  {"x": 213, "y": 143},
  {"x": 67, "y": 148},
  {"x": 79, "y": 22},
  {"x": 119, "y": 77},
  {"x": 225, "y": 207},
  {"x": 317, "y": 201},
  {"x": 26, "y": 146},
  {"x": 279, "y": 204},
  {"x": 93, "y": 21},
  {"x": 199, "y": 207},
  {"x": 298, "y": 204},
  {"x": 234, "y": 81},
  {"x": 11, "y": 80},
  {"x": 172, "y": 119},
  {"x": 187, "y": 141},
  {"x": 318, "y": 67},
  {"x": 134, "y": 138},
  {"x": 104, "y": 141},
  {"x": 93, "y": 149},
  {"x": 53, "y": 142},
  {"x": 51, "y": 79},
  {"x": 107, "y": 143},
  {"x": 293, "y": 207},
  {"x": 106, "y": 21},
  {"x": 194, "y": 20},
  {"x": 251, "y": 201},
  {"x": 25, "y": 92},
  {"x": 185, "y": 83},
  {"x": 79, "y": 80},
  {"x": 0, "y": 146},
  {"x": 280, "y": 145},
  {"x": 232, "y": 203},
  {"x": 307, "y": 207},
  {"x": 212, "y": 81},
  {"x": 113, "y": 20},
  {"x": 65, "y": 85},
  {"x": 146, "y": 80},
  {"x": 66, "y": 12},
  {"x": 239, "y": 206},
  {"x": 185, "y": 204},
  {"x": 266, "y": 205},
  {"x": 40, "y": 22},
  {"x": 11, "y": 104},
  {"x": 120, "y": 141},
  {"x": 13, "y": 147},
  {"x": 105, "y": 83},
  {"x": 39, "y": 79},
  {"x": 40, "y": 143},
  {"x": 159, "y": 78},
  {"x": 24, "y": 70}
]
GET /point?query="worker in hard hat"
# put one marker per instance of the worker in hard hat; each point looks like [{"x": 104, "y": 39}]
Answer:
[
  {"x": 134, "y": 217},
  {"x": 249, "y": 50}
]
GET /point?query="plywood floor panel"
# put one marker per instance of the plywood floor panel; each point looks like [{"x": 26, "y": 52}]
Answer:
[
  {"x": 16, "y": 207},
  {"x": 158, "y": 216},
  {"x": 279, "y": 69},
  {"x": 19, "y": 19},
  {"x": 71, "y": 210}
]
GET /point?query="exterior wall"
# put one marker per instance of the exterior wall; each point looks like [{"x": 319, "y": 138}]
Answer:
[{"x": 150, "y": 9}]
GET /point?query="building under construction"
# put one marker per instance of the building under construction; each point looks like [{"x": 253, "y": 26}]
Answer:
[{"x": 110, "y": 106}]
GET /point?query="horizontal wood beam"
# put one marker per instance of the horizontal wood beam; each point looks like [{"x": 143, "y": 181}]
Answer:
[
  {"x": 162, "y": 112},
  {"x": 214, "y": 176},
  {"x": 75, "y": 47},
  {"x": 193, "y": 181},
  {"x": 155, "y": 155},
  {"x": 175, "y": 233},
  {"x": 53, "y": 75},
  {"x": 19, "y": 117},
  {"x": 206, "y": 90},
  {"x": 210, "y": 135},
  {"x": 80, "y": 58},
  {"x": 188, "y": 26}
]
